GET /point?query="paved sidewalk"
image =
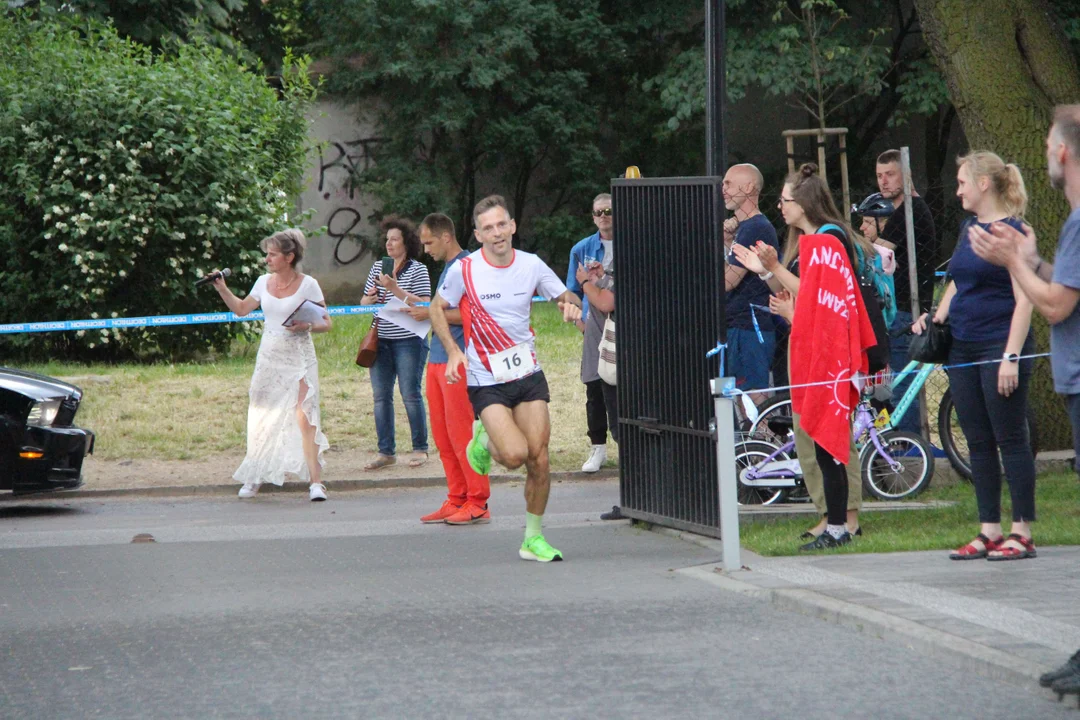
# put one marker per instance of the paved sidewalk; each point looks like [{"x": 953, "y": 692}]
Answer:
[{"x": 1013, "y": 620}]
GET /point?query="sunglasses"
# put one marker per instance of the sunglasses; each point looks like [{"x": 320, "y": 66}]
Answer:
[{"x": 606, "y": 212}]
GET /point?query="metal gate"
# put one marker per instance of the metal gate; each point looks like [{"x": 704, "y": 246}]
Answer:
[{"x": 669, "y": 280}]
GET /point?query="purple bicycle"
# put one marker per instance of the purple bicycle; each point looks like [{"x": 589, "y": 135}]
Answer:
[{"x": 896, "y": 464}]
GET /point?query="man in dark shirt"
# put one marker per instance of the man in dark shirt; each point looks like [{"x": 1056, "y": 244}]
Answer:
[
  {"x": 751, "y": 340},
  {"x": 894, "y": 236}
]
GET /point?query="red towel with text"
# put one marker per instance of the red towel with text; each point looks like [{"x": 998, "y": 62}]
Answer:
[{"x": 829, "y": 337}]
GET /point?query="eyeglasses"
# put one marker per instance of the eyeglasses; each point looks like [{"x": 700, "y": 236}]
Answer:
[
  {"x": 606, "y": 212},
  {"x": 785, "y": 200}
]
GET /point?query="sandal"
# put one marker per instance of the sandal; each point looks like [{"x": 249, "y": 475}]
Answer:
[
  {"x": 1011, "y": 553},
  {"x": 380, "y": 461},
  {"x": 418, "y": 459},
  {"x": 970, "y": 552}
]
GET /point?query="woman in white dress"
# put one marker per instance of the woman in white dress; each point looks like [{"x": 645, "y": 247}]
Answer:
[{"x": 284, "y": 431}]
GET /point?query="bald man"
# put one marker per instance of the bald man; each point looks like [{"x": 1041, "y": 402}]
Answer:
[{"x": 751, "y": 338}]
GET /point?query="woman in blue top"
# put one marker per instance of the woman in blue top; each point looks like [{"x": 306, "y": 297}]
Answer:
[{"x": 991, "y": 323}]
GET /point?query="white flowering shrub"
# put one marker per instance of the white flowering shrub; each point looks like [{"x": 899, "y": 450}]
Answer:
[{"x": 125, "y": 177}]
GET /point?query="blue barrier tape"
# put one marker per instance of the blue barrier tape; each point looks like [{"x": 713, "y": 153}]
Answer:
[
  {"x": 173, "y": 320},
  {"x": 833, "y": 381}
]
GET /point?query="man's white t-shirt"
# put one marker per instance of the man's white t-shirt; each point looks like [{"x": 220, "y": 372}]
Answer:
[{"x": 496, "y": 311}]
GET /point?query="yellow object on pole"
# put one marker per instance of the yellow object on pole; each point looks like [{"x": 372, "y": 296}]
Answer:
[{"x": 633, "y": 172}]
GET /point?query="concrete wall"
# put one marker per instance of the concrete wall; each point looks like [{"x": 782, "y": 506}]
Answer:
[{"x": 339, "y": 258}]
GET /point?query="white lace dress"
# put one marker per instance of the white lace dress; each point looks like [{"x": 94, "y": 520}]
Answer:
[{"x": 274, "y": 443}]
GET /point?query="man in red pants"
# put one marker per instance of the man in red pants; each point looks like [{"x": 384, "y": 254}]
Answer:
[{"x": 448, "y": 404}]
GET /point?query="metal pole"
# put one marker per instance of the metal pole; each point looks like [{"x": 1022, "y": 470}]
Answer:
[
  {"x": 715, "y": 89},
  {"x": 728, "y": 479},
  {"x": 913, "y": 270}
]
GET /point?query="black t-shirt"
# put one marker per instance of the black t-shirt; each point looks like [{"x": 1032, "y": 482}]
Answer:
[{"x": 926, "y": 251}]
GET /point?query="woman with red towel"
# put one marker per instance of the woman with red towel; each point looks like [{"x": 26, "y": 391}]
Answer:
[{"x": 830, "y": 333}]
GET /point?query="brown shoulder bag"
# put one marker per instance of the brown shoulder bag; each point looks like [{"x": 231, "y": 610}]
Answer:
[{"x": 369, "y": 347}]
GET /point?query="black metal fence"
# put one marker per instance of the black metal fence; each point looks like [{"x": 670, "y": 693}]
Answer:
[{"x": 669, "y": 267}]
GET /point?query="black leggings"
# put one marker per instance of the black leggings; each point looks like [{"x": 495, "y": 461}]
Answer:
[
  {"x": 991, "y": 423},
  {"x": 835, "y": 480}
]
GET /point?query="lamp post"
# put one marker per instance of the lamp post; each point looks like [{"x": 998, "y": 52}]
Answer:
[{"x": 715, "y": 89}]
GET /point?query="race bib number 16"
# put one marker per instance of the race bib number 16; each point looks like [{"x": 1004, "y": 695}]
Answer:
[{"x": 512, "y": 364}]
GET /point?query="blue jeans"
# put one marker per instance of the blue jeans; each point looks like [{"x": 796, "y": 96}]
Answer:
[
  {"x": 1072, "y": 402},
  {"x": 405, "y": 360},
  {"x": 898, "y": 358}
]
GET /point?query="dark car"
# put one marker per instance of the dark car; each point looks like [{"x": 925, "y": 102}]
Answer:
[{"x": 40, "y": 448}]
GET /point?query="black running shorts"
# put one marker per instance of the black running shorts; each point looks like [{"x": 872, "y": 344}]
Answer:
[{"x": 511, "y": 394}]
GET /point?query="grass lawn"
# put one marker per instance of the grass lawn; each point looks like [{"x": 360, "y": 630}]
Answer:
[
  {"x": 1057, "y": 504},
  {"x": 197, "y": 410}
]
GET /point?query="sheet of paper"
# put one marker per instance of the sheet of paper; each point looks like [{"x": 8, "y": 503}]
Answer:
[
  {"x": 396, "y": 311},
  {"x": 308, "y": 312}
]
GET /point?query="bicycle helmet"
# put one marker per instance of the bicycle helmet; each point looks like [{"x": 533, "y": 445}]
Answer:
[{"x": 874, "y": 206}]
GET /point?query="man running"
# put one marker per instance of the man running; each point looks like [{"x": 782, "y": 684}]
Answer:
[{"x": 506, "y": 386}]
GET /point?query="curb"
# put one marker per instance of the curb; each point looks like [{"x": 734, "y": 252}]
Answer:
[
  {"x": 986, "y": 661},
  {"x": 300, "y": 487}
]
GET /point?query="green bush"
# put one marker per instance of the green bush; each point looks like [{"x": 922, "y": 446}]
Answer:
[{"x": 125, "y": 176}]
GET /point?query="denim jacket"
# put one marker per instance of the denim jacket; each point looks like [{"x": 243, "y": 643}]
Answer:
[{"x": 586, "y": 247}]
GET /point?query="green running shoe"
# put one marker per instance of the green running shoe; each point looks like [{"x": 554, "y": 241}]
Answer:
[
  {"x": 476, "y": 452},
  {"x": 537, "y": 548}
]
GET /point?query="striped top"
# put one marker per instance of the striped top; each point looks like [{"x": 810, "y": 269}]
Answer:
[{"x": 412, "y": 278}]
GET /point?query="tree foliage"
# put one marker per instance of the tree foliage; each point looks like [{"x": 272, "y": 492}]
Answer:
[
  {"x": 247, "y": 29},
  {"x": 124, "y": 175},
  {"x": 526, "y": 97}
]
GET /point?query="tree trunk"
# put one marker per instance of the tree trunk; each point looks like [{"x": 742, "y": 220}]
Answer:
[{"x": 1006, "y": 65}]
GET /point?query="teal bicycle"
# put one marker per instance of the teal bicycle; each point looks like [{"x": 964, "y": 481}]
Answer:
[{"x": 950, "y": 437}]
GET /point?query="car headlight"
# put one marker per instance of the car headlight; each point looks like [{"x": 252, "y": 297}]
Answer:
[{"x": 43, "y": 413}]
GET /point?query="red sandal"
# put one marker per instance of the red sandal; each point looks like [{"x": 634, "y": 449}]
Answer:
[
  {"x": 1011, "y": 553},
  {"x": 970, "y": 552}
]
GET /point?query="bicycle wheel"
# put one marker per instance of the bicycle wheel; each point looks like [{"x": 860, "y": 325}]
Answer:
[
  {"x": 906, "y": 471},
  {"x": 952, "y": 437},
  {"x": 778, "y": 406},
  {"x": 954, "y": 443},
  {"x": 747, "y": 455}
]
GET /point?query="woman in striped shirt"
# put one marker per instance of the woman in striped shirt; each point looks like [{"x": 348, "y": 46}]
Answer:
[{"x": 401, "y": 353}]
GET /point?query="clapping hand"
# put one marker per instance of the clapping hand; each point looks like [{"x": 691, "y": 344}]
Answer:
[
  {"x": 1004, "y": 244},
  {"x": 768, "y": 256},
  {"x": 748, "y": 257},
  {"x": 783, "y": 304}
]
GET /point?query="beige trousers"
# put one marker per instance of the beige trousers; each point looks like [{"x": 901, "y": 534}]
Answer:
[{"x": 815, "y": 484}]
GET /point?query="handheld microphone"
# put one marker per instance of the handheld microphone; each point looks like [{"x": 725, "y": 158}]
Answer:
[{"x": 212, "y": 277}]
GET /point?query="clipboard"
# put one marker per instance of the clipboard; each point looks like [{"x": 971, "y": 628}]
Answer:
[{"x": 308, "y": 312}]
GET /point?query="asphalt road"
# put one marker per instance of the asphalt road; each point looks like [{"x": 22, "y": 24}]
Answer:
[{"x": 281, "y": 608}]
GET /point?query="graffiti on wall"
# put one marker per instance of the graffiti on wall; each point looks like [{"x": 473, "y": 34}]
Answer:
[{"x": 339, "y": 169}]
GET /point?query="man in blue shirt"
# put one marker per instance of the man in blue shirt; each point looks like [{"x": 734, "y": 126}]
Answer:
[
  {"x": 450, "y": 410},
  {"x": 600, "y": 410},
  {"x": 751, "y": 340},
  {"x": 1054, "y": 289}
]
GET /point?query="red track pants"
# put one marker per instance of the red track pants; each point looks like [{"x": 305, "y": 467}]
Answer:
[{"x": 451, "y": 426}]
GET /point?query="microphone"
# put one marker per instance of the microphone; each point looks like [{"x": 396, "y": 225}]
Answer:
[{"x": 212, "y": 277}]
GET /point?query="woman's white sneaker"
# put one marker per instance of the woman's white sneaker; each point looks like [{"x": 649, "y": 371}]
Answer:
[
  {"x": 317, "y": 492},
  {"x": 249, "y": 490}
]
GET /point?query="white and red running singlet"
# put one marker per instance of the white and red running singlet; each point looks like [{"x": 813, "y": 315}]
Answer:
[{"x": 497, "y": 302}]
